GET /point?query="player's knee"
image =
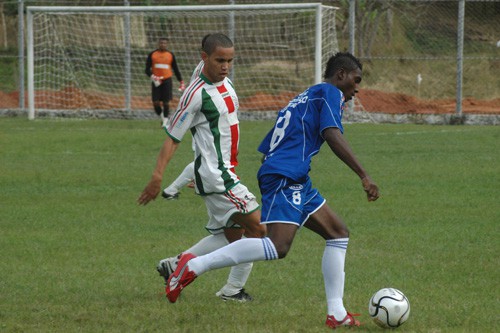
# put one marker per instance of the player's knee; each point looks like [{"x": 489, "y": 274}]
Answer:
[
  {"x": 233, "y": 234},
  {"x": 282, "y": 246},
  {"x": 331, "y": 229},
  {"x": 282, "y": 250},
  {"x": 258, "y": 231},
  {"x": 261, "y": 232},
  {"x": 339, "y": 233}
]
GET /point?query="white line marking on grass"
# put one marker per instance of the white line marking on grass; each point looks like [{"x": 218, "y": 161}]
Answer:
[{"x": 423, "y": 132}]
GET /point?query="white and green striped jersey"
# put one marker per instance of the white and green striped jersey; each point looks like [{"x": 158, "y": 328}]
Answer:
[{"x": 210, "y": 110}]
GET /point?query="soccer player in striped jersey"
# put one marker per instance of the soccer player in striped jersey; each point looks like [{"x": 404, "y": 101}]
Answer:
[
  {"x": 288, "y": 199},
  {"x": 208, "y": 108},
  {"x": 234, "y": 288}
]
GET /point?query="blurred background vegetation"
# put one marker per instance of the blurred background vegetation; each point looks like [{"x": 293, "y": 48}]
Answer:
[{"x": 398, "y": 40}]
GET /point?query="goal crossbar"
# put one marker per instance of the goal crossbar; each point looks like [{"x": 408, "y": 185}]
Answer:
[{"x": 125, "y": 9}]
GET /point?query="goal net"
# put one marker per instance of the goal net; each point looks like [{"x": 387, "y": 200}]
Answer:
[{"x": 92, "y": 59}]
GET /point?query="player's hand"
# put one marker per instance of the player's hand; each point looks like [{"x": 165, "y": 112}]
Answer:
[
  {"x": 150, "y": 192},
  {"x": 370, "y": 188},
  {"x": 156, "y": 80},
  {"x": 182, "y": 87}
]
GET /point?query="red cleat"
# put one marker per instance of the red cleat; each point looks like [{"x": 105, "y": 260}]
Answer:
[
  {"x": 347, "y": 321},
  {"x": 180, "y": 278}
]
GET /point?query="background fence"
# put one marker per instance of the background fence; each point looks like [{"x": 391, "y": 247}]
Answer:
[{"x": 408, "y": 47}]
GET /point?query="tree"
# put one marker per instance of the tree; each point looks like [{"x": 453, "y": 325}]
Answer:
[
  {"x": 4, "y": 26},
  {"x": 368, "y": 18}
]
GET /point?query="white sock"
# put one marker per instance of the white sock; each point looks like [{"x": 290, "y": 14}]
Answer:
[
  {"x": 182, "y": 180},
  {"x": 238, "y": 275},
  {"x": 208, "y": 244},
  {"x": 237, "y": 278},
  {"x": 242, "y": 251},
  {"x": 333, "y": 274}
]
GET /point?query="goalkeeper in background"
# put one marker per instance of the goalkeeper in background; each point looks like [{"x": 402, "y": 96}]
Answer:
[{"x": 160, "y": 66}]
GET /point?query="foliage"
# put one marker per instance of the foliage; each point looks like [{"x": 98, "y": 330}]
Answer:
[
  {"x": 8, "y": 71},
  {"x": 395, "y": 31}
]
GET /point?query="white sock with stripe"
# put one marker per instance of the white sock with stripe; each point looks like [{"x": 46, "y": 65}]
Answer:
[
  {"x": 333, "y": 274},
  {"x": 238, "y": 275},
  {"x": 242, "y": 251}
]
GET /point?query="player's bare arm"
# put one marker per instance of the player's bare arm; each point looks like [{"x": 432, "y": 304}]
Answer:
[
  {"x": 151, "y": 190},
  {"x": 341, "y": 148}
]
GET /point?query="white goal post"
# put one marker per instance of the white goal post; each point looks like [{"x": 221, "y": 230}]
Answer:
[{"x": 91, "y": 60}]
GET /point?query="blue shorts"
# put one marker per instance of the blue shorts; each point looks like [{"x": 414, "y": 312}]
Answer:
[{"x": 287, "y": 201}]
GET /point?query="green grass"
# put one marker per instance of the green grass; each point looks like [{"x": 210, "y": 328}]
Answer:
[{"x": 79, "y": 253}]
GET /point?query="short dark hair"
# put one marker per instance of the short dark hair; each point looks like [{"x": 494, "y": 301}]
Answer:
[
  {"x": 213, "y": 40},
  {"x": 204, "y": 40},
  {"x": 341, "y": 60},
  {"x": 163, "y": 38}
]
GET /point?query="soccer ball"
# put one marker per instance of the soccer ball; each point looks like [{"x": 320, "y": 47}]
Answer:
[{"x": 389, "y": 308}]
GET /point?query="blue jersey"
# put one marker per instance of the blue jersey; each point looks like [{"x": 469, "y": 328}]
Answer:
[{"x": 297, "y": 134}]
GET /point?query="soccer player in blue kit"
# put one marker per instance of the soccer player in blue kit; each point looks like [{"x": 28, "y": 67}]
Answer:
[{"x": 288, "y": 199}]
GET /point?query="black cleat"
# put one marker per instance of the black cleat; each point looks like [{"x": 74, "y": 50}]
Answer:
[
  {"x": 241, "y": 296},
  {"x": 168, "y": 196}
]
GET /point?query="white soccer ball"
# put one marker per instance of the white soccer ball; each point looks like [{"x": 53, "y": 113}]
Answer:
[{"x": 389, "y": 308}]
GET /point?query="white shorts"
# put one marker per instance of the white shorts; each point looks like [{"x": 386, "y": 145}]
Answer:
[{"x": 221, "y": 207}]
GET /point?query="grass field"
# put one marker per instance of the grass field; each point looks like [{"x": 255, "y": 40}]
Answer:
[{"x": 79, "y": 255}]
